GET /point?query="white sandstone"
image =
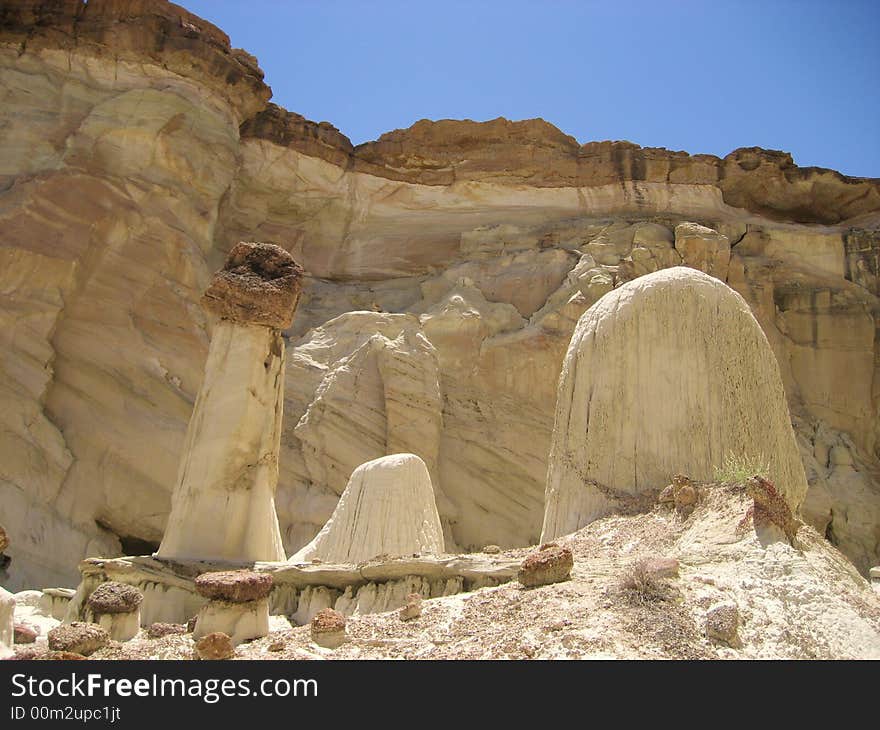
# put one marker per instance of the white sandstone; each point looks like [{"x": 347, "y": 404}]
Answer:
[
  {"x": 7, "y": 623},
  {"x": 224, "y": 503},
  {"x": 241, "y": 621},
  {"x": 669, "y": 373},
  {"x": 120, "y": 626},
  {"x": 387, "y": 508}
]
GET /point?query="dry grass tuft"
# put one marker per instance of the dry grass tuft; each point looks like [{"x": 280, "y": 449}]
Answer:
[
  {"x": 641, "y": 585},
  {"x": 737, "y": 468}
]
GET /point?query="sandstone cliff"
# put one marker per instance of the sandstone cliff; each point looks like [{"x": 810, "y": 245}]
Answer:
[{"x": 447, "y": 265}]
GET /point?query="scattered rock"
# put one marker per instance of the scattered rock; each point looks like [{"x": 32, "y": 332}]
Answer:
[
  {"x": 25, "y": 634},
  {"x": 60, "y": 655},
  {"x": 277, "y": 645},
  {"x": 158, "y": 630},
  {"x": 722, "y": 623},
  {"x": 215, "y": 646},
  {"x": 113, "y": 597},
  {"x": 235, "y": 586},
  {"x": 413, "y": 607},
  {"x": 682, "y": 493},
  {"x": 4, "y": 539},
  {"x": 78, "y": 637},
  {"x": 491, "y": 549},
  {"x": 685, "y": 498},
  {"x": 28, "y": 652},
  {"x": 328, "y": 628},
  {"x": 550, "y": 564},
  {"x": 661, "y": 567},
  {"x": 191, "y": 624}
]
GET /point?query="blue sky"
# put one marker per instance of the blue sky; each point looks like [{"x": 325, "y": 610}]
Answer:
[{"x": 695, "y": 75}]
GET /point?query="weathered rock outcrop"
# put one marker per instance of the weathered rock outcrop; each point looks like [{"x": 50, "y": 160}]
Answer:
[
  {"x": 669, "y": 372},
  {"x": 387, "y": 508},
  {"x": 223, "y": 506},
  {"x": 138, "y": 149}
]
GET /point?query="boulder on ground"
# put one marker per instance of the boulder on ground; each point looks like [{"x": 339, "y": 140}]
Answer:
[
  {"x": 550, "y": 564},
  {"x": 328, "y": 628},
  {"x": 78, "y": 637},
  {"x": 413, "y": 607},
  {"x": 25, "y": 634},
  {"x": 216, "y": 645}
]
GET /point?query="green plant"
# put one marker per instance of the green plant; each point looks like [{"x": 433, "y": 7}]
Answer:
[{"x": 736, "y": 468}]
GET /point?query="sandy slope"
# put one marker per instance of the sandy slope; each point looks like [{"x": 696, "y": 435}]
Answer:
[{"x": 799, "y": 603}]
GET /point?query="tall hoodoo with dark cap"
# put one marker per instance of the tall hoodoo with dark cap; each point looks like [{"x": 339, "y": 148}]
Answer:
[{"x": 223, "y": 506}]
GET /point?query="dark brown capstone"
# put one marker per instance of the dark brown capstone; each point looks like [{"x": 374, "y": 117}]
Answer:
[
  {"x": 78, "y": 637},
  {"x": 113, "y": 597},
  {"x": 552, "y": 563},
  {"x": 236, "y": 586},
  {"x": 260, "y": 284}
]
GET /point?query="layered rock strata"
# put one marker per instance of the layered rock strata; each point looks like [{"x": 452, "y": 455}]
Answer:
[
  {"x": 298, "y": 591},
  {"x": 138, "y": 149}
]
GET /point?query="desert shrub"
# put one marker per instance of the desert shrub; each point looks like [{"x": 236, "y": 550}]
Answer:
[{"x": 641, "y": 585}]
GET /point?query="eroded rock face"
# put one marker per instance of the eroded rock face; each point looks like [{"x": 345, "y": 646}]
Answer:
[
  {"x": 669, "y": 372},
  {"x": 138, "y": 150}
]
